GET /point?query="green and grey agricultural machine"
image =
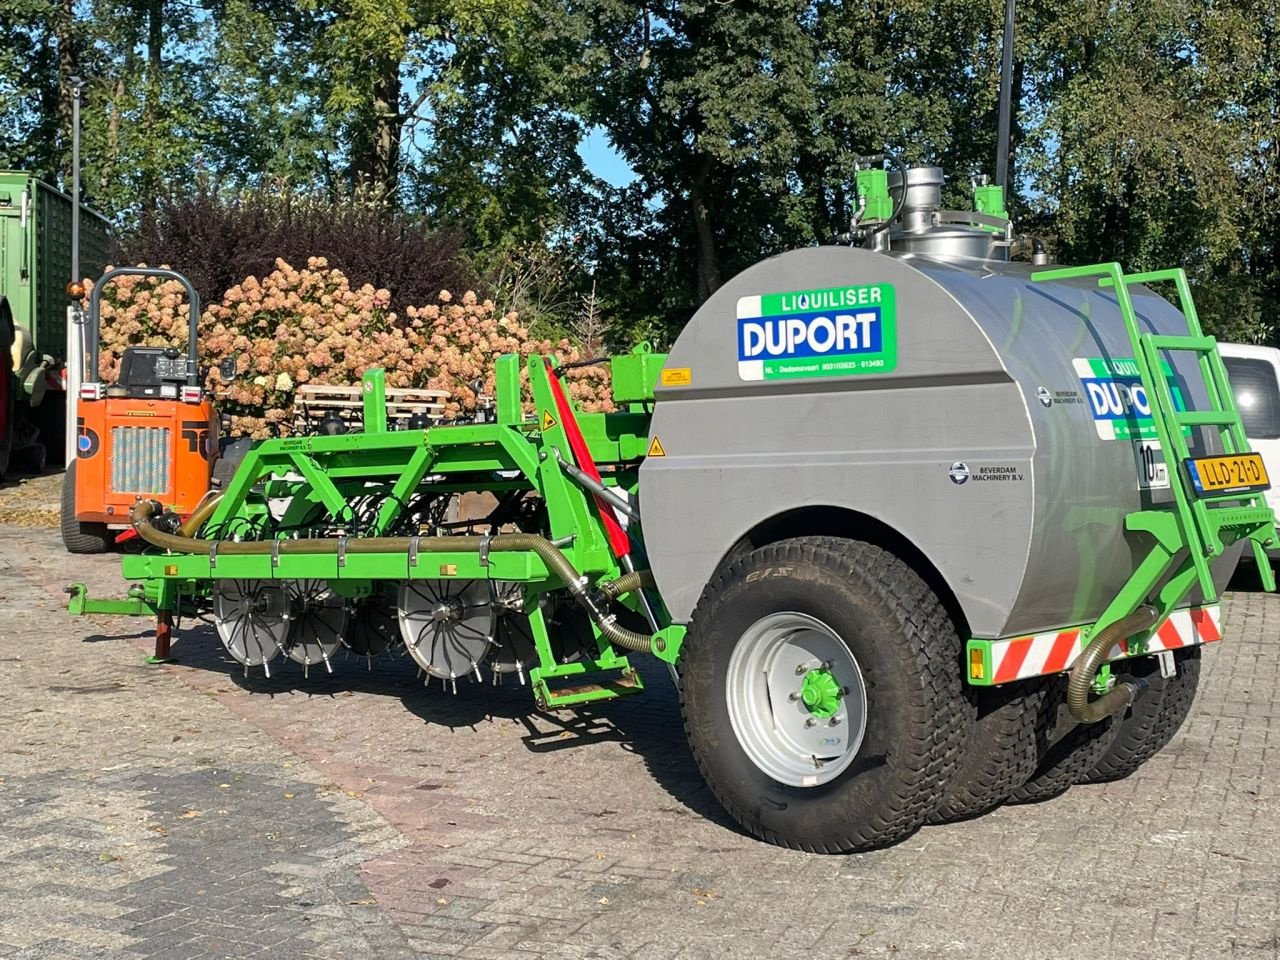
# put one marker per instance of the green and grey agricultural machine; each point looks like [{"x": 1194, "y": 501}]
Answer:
[{"x": 918, "y": 529}]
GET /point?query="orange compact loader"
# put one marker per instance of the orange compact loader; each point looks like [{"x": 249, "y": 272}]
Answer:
[{"x": 153, "y": 434}]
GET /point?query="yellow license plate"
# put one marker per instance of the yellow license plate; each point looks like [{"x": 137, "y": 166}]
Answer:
[{"x": 1235, "y": 473}]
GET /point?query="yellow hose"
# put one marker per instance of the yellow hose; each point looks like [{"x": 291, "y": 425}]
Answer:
[
  {"x": 203, "y": 511},
  {"x": 1086, "y": 666}
]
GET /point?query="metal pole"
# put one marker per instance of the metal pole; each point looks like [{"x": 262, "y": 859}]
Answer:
[
  {"x": 75, "y": 313},
  {"x": 76, "y": 86},
  {"x": 1006, "y": 101}
]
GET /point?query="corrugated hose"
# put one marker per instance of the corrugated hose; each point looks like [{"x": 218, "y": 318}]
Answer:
[{"x": 1119, "y": 697}]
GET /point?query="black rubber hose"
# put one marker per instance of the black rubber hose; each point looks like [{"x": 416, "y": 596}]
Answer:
[
  {"x": 1086, "y": 666},
  {"x": 897, "y": 209},
  {"x": 144, "y": 510}
]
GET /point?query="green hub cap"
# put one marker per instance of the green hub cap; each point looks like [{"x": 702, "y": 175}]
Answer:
[{"x": 820, "y": 693}]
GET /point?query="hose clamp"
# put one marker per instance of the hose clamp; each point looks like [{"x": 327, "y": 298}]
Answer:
[
  {"x": 275, "y": 554},
  {"x": 485, "y": 542},
  {"x": 342, "y": 552},
  {"x": 413, "y": 551},
  {"x": 213, "y": 554}
]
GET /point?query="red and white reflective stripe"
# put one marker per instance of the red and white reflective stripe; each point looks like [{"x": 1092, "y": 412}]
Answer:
[{"x": 1048, "y": 653}]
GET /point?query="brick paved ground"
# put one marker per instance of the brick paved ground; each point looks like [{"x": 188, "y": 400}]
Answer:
[{"x": 185, "y": 811}]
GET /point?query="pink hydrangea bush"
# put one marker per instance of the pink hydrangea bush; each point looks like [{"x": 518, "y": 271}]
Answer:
[{"x": 310, "y": 326}]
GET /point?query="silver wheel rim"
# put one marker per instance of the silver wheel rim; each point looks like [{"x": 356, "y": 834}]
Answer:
[{"x": 777, "y": 731}]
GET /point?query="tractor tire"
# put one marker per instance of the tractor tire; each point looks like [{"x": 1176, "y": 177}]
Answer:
[
  {"x": 50, "y": 419},
  {"x": 881, "y": 648},
  {"x": 6, "y": 423},
  {"x": 1067, "y": 750},
  {"x": 1153, "y": 718},
  {"x": 1001, "y": 754},
  {"x": 79, "y": 537},
  {"x": 32, "y": 459}
]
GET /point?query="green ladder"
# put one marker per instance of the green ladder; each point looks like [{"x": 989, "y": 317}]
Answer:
[{"x": 1199, "y": 528}]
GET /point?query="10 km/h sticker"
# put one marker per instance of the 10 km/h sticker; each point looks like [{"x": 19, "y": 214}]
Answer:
[{"x": 1153, "y": 471}]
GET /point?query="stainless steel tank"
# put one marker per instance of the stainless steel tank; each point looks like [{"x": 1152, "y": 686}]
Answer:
[{"x": 993, "y": 424}]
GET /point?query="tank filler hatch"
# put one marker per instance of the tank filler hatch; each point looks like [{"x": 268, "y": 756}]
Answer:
[{"x": 901, "y": 210}]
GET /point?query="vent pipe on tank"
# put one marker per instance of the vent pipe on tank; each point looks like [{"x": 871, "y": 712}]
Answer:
[
  {"x": 923, "y": 227},
  {"x": 922, "y": 199},
  {"x": 1005, "y": 121}
]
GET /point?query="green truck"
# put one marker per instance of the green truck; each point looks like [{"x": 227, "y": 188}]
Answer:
[{"x": 35, "y": 268}]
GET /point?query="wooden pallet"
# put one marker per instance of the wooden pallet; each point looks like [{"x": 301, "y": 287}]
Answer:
[{"x": 313, "y": 402}]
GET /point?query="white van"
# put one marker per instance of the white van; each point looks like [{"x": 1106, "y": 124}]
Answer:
[{"x": 1255, "y": 380}]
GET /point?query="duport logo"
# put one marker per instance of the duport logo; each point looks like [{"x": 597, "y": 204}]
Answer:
[
  {"x": 1118, "y": 399},
  {"x": 830, "y": 332}
]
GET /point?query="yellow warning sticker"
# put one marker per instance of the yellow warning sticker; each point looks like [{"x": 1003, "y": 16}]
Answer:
[
  {"x": 655, "y": 448},
  {"x": 548, "y": 421},
  {"x": 677, "y": 377}
]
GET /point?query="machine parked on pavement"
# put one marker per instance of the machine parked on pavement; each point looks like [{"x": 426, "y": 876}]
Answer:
[
  {"x": 921, "y": 529},
  {"x": 151, "y": 434}
]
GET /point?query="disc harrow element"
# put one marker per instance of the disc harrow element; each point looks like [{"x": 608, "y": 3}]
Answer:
[
  {"x": 318, "y": 619},
  {"x": 372, "y": 627},
  {"x": 446, "y": 625},
  {"x": 514, "y": 650},
  {"x": 252, "y": 618}
]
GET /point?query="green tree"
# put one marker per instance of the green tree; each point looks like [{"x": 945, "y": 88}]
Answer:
[
  {"x": 741, "y": 120},
  {"x": 1149, "y": 143},
  {"x": 33, "y": 107},
  {"x": 374, "y": 53}
]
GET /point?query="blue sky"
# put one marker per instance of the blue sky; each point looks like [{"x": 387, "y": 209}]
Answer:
[{"x": 604, "y": 161}]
